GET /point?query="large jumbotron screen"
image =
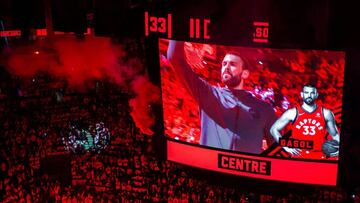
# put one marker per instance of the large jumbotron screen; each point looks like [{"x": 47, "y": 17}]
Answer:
[{"x": 221, "y": 125}]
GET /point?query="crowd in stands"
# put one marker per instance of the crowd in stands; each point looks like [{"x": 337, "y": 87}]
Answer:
[{"x": 127, "y": 170}]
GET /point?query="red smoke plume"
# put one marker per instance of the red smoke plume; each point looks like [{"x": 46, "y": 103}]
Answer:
[
  {"x": 81, "y": 60},
  {"x": 146, "y": 94},
  {"x": 76, "y": 60}
]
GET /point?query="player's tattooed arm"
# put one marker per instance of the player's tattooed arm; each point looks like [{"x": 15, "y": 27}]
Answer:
[
  {"x": 331, "y": 127},
  {"x": 331, "y": 124},
  {"x": 275, "y": 130},
  {"x": 287, "y": 117}
]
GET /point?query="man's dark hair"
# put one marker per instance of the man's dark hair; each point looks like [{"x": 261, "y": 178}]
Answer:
[
  {"x": 236, "y": 53},
  {"x": 310, "y": 85}
]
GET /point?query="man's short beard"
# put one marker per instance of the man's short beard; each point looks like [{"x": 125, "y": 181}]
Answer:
[
  {"x": 233, "y": 81},
  {"x": 310, "y": 102}
]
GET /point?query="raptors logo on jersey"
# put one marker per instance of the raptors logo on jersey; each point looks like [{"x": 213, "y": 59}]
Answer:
[{"x": 310, "y": 126}]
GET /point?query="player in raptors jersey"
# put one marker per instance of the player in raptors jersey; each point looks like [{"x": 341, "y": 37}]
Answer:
[{"x": 309, "y": 122}]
